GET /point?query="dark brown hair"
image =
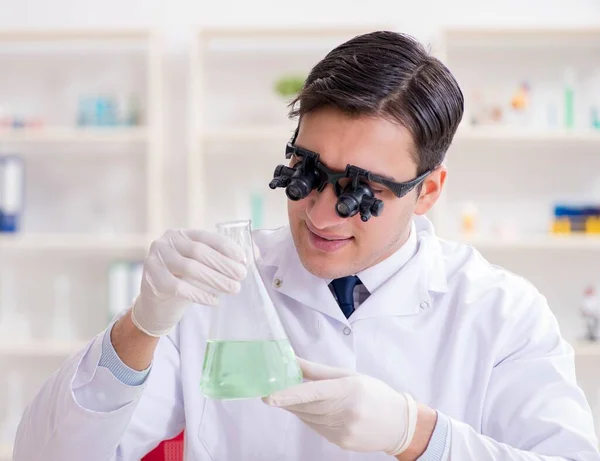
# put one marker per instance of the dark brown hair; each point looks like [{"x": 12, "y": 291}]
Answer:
[{"x": 391, "y": 75}]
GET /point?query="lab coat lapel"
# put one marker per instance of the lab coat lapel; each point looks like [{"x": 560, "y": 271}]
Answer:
[
  {"x": 410, "y": 290},
  {"x": 294, "y": 281}
]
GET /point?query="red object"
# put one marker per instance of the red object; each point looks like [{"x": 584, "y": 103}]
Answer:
[{"x": 167, "y": 450}]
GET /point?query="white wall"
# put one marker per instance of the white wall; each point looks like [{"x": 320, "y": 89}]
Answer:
[{"x": 177, "y": 16}]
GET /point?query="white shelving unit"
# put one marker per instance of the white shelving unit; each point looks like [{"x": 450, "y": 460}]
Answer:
[
  {"x": 493, "y": 60},
  {"x": 246, "y": 124},
  {"x": 488, "y": 134},
  {"x": 57, "y": 146},
  {"x": 40, "y": 349},
  {"x": 73, "y": 135},
  {"x": 75, "y": 242},
  {"x": 150, "y": 133},
  {"x": 514, "y": 170},
  {"x": 537, "y": 242}
]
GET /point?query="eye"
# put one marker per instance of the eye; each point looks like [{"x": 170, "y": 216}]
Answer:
[
  {"x": 295, "y": 159},
  {"x": 376, "y": 188}
]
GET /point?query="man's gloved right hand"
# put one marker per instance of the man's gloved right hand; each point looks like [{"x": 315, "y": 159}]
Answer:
[{"x": 183, "y": 267}]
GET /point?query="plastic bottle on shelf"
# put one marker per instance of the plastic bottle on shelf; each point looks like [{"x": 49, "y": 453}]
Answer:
[
  {"x": 85, "y": 111},
  {"x": 122, "y": 110},
  {"x": 134, "y": 112},
  {"x": 14, "y": 326},
  {"x": 476, "y": 111},
  {"x": 119, "y": 297},
  {"x": 104, "y": 111},
  {"x": 136, "y": 272},
  {"x": 4, "y": 118},
  {"x": 590, "y": 310},
  {"x": 569, "y": 97},
  {"x": 520, "y": 115},
  {"x": 544, "y": 105},
  {"x": 468, "y": 219},
  {"x": 594, "y": 98},
  {"x": 62, "y": 324},
  {"x": 257, "y": 208},
  {"x": 12, "y": 179},
  {"x": 596, "y": 411}
]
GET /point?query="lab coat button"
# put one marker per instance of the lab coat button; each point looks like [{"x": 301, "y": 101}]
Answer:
[
  {"x": 424, "y": 304},
  {"x": 347, "y": 331},
  {"x": 277, "y": 283}
]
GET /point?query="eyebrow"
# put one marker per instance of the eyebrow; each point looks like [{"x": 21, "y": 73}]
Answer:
[{"x": 381, "y": 175}]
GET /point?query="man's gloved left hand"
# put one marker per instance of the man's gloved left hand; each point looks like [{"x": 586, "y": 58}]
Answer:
[{"x": 354, "y": 411}]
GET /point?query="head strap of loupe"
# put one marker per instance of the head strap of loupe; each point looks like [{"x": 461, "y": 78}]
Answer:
[{"x": 356, "y": 197}]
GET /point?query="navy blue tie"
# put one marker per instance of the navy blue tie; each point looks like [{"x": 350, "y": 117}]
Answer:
[{"x": 344, "y": 290}]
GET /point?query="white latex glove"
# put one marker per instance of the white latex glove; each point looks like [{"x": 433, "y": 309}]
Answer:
[
  {"x": 183, "y": 267},
  {"x": 354, "y": 411}
]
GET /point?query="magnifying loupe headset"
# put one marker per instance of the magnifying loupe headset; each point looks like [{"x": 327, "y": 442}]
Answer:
[{"x": 350, "y": 186}]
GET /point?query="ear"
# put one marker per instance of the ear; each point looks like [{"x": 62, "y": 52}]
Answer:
[{"x": 431, "y": 190}]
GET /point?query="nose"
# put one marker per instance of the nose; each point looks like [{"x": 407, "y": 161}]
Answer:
[{"x": 321, "y": 208}]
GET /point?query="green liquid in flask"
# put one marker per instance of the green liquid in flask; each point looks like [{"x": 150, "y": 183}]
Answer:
[{"x": 248, "y": 369}]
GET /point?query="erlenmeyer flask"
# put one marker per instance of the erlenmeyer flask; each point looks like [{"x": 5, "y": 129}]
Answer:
[{"x": 248, "y": 354}]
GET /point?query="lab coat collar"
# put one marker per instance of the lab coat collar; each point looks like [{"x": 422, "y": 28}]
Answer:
[
  {"x": 294, "y": 281},
  {"x": 403, "y": 292},
  {"x": 410, "y": 289}
]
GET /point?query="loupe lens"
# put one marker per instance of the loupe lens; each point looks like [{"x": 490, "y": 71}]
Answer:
[
  {"x": 297, "y": 189},
  {"x": 346, "y": 206}
]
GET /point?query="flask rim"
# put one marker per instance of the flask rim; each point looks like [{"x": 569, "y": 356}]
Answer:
[{"x": 234, "y": 224}]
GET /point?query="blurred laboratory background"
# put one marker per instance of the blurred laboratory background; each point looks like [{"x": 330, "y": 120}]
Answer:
[{"x": 123, "y": 118}]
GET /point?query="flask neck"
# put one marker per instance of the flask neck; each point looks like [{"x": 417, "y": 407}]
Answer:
[{"x": 240, "y": 232}]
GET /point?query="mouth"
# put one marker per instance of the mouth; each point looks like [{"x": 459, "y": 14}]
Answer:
[{"x": 326, "y": 242}]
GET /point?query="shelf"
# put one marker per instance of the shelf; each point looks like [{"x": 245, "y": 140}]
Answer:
[
  {"x": 482, "y": 37},
  {"x": 539, "y": 242},
  {"x": 44, "y": 349},
  {"x": 45, "y": 35},
  {"x": 270, "y": 32},
  {"x": 74, "y": 242},
  {"x": 297, "y": 40},
  {"x": 74, "y": 135},
  {"x": 515, "y": 134},
  {"x": 587, "y": 349},
  {"x": 63, "y": 349}
]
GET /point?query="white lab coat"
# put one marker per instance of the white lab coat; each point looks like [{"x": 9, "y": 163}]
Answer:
[{"x": 470, "y": 340}]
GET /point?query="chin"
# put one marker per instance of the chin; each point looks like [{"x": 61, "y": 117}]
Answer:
[
  {"x": 323, "y": 265},
  {"x": 318, "y": 268},
  {"x": 323, "y": 269}
]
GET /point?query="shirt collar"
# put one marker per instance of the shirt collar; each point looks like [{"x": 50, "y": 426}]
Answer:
[{"x": 375, "y": 276}]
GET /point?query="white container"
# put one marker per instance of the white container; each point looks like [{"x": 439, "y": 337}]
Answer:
[
  {"x": 12, "y": 183},
  {"x": 119, "y": 292}
]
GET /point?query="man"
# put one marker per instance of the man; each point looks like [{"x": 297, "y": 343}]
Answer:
[{"x": 411, "y": 346}]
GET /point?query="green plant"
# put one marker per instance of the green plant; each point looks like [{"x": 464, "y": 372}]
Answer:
[{"x": 289, "y": 85}]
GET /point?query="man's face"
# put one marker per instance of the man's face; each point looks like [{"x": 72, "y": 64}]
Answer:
[{"x": 330, "y": 246}]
